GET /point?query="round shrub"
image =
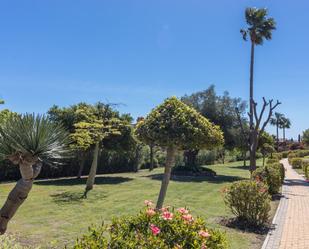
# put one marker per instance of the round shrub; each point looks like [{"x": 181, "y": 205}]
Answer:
[
  {"x": 277, "y": 156},
  {"x": 270, "y": 176},
  {"x": 291, "y": 156},
  {"x": 306, "y": 168},
  {"x": 296, "y": 163},
  {"x": 152, "y": 229},
  {"x": 249, "y": 201},
  {"x": 280, "y": 168},
  {"x": 285, "y": 154}
]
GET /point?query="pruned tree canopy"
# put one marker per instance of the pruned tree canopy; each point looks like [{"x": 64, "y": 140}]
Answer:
[{"x": 173, "y": 123}]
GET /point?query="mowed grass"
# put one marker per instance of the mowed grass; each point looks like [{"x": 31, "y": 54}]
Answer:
[{"x": 54, "y": 215}]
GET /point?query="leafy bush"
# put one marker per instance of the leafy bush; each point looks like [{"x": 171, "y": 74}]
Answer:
[
  {"x": 272, "y": 160},
  {"x": 269, "y": 175},
  {"x": 296, "y": 162},
  {"x": 291, "y": 156},
  {"x": 8, "y": 242},
  {"x": 285, "y": 154},
  {"x": 306, "y": 168},
  {"x": 280, "y": 168},
  {"x": 151, "y": 229},
  {"x": 249, "y": 201},
  {"x": 302, "y": 153},
  {"x": 277, "y": 156}
]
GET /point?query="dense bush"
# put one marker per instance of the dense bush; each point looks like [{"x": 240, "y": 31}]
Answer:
[
  {"x": 151, "y": 229},
  {"x": 278, "y": 166},
  {"x": 285, "y": 154},
  {"x": 271, "y": 160},
  {"x": 302, "y": 153},
  {"x": 271, "y": 176},
  {"x": 306, "y": 168},
  {"x": 296, "y": 162},
  {"x": 249, "y": 201},
  {"x": 291, "y": 156},
  {"x": 277, "y": 156}
]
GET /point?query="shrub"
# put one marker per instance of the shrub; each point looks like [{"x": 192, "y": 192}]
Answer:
[
  {"x": 296, "y": 162},
  {"x": 306, "y": 168},
  {"x": 285, "y": 154},
  {"x": 272, "y": 160},
  {"x": 291, "y": 156},
  {"x": 277, "y": 156},
  {"x": 280, "y": 168},
  {"x": 167, "y": 228},
  {"x": 302, "y": 153},
  {"x": 249, "y": 201},
  {"x": 269, "y": 175}
]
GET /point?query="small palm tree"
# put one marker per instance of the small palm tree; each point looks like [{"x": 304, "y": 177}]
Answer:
[
  {"x": 27, "y": 141},
  {"x": 285, "y": 124},
  {"x": 277, "y": 121}
]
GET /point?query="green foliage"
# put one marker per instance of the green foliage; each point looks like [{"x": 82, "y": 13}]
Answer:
[
  {"x": 277, "y": 156},
  {"x": 173, "y": 123},
  {"x": 296, "y": 162},
  {"x": 220, "y": 110},
  {"x": 271, "y": 176},
  {"x": 285, "y": 154},
  {"x": 280, "y": 168},
  {"x": 306, "y": 137},
  {"x": 306, "y": 168},
  {"x": 249, "y": 201},
  {"x": 271, "y": 160},
  {"x": 291, "y": 156},
  {"x": 260, "y": 27},
  {"x": 33, "y": 135},
  {"x": 8, "y": 242},
  {"x": 151, "y": 229}
]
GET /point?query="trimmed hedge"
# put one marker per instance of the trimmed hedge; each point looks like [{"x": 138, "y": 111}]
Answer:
[
  {"x": 306, "y": 168},
  {"x": 270, "y": 176},
  {"x": 296, "y": 162}
]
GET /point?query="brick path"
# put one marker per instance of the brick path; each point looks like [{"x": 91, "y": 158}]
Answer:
[{"x": 291, "y": 222}]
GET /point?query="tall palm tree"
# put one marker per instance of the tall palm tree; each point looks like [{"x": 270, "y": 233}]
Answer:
[
  {"x": 276, "y": 120},
  {"x": 27, "y": 141},
  {"x": 285, "y": 124},
  {"x": 259, "y": 28}
]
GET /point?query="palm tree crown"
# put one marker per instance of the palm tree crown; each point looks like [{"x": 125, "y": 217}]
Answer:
[{"x": 260, "y": 26}]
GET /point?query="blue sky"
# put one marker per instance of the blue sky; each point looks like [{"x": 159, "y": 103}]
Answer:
[{"x": 137, "y": 53}]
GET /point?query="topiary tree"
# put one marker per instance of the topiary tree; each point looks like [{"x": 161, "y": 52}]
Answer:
[
  {"x": 27, "y": 141},
  {"x": 176, "y": 126}
]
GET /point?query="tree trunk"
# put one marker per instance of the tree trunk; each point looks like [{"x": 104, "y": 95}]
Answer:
[
  {"x": 253, "y": 148},
  {"x": 151, "y": 158},
  {"x": 19, "y": 193},
  {"x": 244, "y": 158},
  {"x": 284, "y": 134},
  {"x": 263, "y": 160},
  {"x": 170, "y": 160},
  {"x": 81, "y": 166},
  {"x": 277, "y": 126},
  {"x": 190, "y": 158},
  {"x": 93, "y": 170}
]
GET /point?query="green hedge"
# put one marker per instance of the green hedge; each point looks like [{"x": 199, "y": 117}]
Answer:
[{"x": 296, "y": 162}]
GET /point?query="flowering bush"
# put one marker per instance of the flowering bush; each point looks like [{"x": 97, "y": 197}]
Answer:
[
  {"x": 249, "y": 201},
  {"x": 152, "y": 229},
  {"x": 272, "y": 175}
]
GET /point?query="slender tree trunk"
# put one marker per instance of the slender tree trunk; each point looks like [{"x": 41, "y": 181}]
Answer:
[
  {"x": 244, "y": 158},
  {"x": 151, "y": 158},
  {"x": 170, "y": 160},
  {"x": 93, "y": 170},
  {"x": 190, "y": 158},
  {"x": 19, "y": 193},
  {"x": 284, "y": 134},
  {"x": 81, "y": 166},
  {"x": 277, "y": 136},
  {"x": 263, "y": 160},
  {"x": 251, "y": 124},
  {"x": 253, "y": 149}
]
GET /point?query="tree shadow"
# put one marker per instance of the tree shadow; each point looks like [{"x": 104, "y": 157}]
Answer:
[
  {"x": 296, "y": 182},
  {"x": 239, "y": 167},
  {"x": 212, "y": 179},
  {"x": 69, "y": 197},
  {"x": 100, "y": 180}
]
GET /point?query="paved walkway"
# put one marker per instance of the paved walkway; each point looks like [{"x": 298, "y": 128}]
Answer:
[{"x": 291, "y": 223}]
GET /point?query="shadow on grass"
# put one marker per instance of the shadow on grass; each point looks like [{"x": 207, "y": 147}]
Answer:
[
  {"x": 239, "y": 167},
  {"x": 76, "y": 197},
  {"x": 100, "y": 180},
  {"x": 213, "y": 179}
]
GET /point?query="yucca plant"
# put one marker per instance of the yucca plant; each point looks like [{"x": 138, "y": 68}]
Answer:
[{"x": 28, "y": 140}]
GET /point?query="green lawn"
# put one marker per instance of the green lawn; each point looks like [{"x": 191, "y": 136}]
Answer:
[{"x": 54, "y": 213}]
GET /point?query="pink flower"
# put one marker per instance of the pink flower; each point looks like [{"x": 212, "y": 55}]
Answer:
[
  {"x": 204, "y": 246},
  {"x": 154, "y": 229},
  {"x": 150, "y": 212},
  {"x": 187, "y": 217},
  {"x": 167, "y": 215},
  {"x": 164, "y": 209},
  {"x": 204, "y": 234},
  {"x": 148, "y": 203},
  {"x": 183, "y": 210},
  {"x": 263, "y": 190}
]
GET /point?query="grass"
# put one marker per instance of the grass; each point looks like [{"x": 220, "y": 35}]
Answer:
[{"x": 55, "y": 214}]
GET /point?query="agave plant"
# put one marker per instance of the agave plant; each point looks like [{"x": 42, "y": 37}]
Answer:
[{"x": 28, "y": 140}]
